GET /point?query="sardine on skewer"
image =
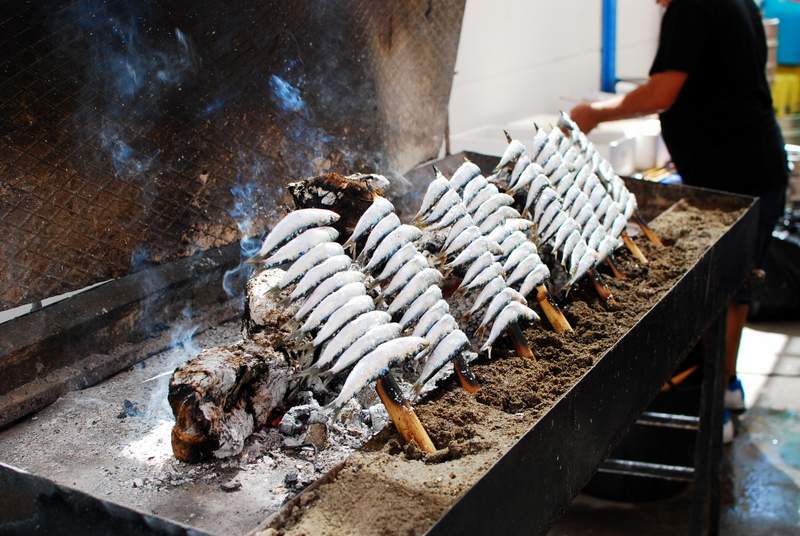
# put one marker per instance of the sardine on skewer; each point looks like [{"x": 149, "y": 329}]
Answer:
[
  {"x": 377, "y": 211},
  {"x": 293, "y": 225},
  {"x": 297, "y": 247}
]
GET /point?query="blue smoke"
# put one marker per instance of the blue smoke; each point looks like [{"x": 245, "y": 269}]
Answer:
[{"x": 286, "y": 96}]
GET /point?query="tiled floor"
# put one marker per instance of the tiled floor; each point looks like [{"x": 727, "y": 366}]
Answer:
[{"x": 761, "y": 472}]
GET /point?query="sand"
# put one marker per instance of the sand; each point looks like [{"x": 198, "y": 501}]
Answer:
[{"x": 385, "y": 488}]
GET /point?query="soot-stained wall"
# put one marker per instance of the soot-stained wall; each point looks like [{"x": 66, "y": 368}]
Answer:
[{"x": 132, "y": 133}]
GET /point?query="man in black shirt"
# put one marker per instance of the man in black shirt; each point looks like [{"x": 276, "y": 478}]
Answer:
[{"x": 708, "y": 83}]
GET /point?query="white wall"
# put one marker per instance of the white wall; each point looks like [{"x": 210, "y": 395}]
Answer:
[{"x": 517, "y": 58}]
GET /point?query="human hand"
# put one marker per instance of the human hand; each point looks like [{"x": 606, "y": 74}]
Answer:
[
  {"x": 664, "y": 3},
  {"x": 585, "y": 116}
]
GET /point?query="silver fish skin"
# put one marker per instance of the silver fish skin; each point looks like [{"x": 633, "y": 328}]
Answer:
[
  {"x": 350, "y": 334},
  {"x": 538, "y": 187},
  {"x": 569, "y": 197},
  {"x": 564, "y": 185},
  {"x": 526, "y": 178},
  {"x": 579, "y": 205},
  {"x": 555, "y": 135},
  {"x": 552, "y": 164},
  {"x": 514, "y": 150},
  {"x": 373, "y": 338},
  {"x": 498, "y": 303},
  {"x": 458, "y": 227},
  {"x": 473, "y": 187},
  {"x": 487, "y": 293},
  {"x": 294, "y": 224},
  {"x": 577, "y": 252},
  {"x": 330, "y": 304},
  {"x": 453, "y": 215},
  {"x": 299, "y": 246},
  {"x": 477, "y": 267},
  {"x": 585, "y": 213},
  {"x": 564, "y": 145},
  {"x": 564, "y": 231},
  {"x": 518, "y": 255},
  {"x": 391, "y": 245},
  {"x": 447, "y": 350},
  {"x": 418, "y": 307},
  {"x": 536, "y": 277},
  {"x": 473, "y": 251},
  {"x": 379, "y": 209},
  {"x": 607, "y": 247},
  {"x": 519, "y": 168},
  {"x": 467, "y": 236},
  {"x": 570, "y": 154},
  {"x": 490, "y": 206},
  {"x": 448, "y": 200},
  {"x": 378, "y": 233},
  {"x": 512, "y": 312},
  {"x": 591, "y": 185},
  {"x": 498, "y": 218},
  {"x": 546, "y": 154},
  {"x": 463, "y": 175},
  {"x": 549, "y": 231},
  {"x": 488, "y": 273},
  {"x": 511, "y": 225},
  {"x": 340, "y": 317},
  {"x": 315, "y": 256},
  {"x": 431, "y": 316},
  {"x": 436, "y": 190},
  {"x": 547, "y": 198},
  {"x": 596, "y": 237},
  {"x": 478, "y": 199},
  {"x": 603, "y": 206},
  {"x": 415, "y": 265},
  {"x": 571, "y": 241},
  {"x": 372, "y": 365},
  {"x": 316, "y": 275},
  {"x": 511, "y": 242},
  {"x": 539, "y": 141},
  {"x": 618, "y": 226},
  {"x": 610, "y": 215},
  {"x": 565, "y": 122},
  {"x": 589, "y": 227},
  {"x": 547, "y": 218},
  {"x": 523, "y": 268},
  {"x": 583, "y": 175},
  {"x": 585, "y": 264},
  {"x": 403, "y": 255},
  {"x": 326, "y": 288},
  {"x": 418, "y": 284},
  {"x": 630, "y": 207},
  {"x": 441, "y": 329},
  {"x": 563, "y": 173}
]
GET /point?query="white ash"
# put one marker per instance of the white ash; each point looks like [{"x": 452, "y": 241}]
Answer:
[{"x": 261, "y": 294}]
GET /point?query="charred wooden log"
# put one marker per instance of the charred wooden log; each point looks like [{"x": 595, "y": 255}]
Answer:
[{"x": 222, "y": 395}]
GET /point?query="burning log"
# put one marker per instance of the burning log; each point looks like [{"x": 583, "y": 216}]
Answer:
[
  {"x": 219, "y": 398},
  {"x": 402, "y": 414},
  {"x": 551, "y": 311},
  {"x": 633, "y": 248}
]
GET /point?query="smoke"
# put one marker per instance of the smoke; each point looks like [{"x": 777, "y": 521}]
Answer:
[
  {"x": 182, "y": 348},
  {"x": 133, "y": 68},
  {"x": 244, "y": 213}
]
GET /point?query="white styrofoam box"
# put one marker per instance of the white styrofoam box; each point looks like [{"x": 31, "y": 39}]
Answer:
[{"x": 619, "y": 150}]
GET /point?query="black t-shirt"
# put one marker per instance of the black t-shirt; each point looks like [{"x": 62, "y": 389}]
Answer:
[{"x": 721, "y": 130}]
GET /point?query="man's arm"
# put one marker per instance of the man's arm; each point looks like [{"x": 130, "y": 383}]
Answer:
[{"x": 656, "y": 95}]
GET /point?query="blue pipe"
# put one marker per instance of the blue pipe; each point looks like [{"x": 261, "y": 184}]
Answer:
[{"x": 608, "y": 51}]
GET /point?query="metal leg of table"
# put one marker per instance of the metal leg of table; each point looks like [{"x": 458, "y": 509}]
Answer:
[{"x": 708, "y": 450}]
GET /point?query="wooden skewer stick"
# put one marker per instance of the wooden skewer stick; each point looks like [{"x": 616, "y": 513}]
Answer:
[
  {"x": 678, "y": 378},
  {"x": 633, "y": 248},
  {"x": 619, "y": 276},
  {"x": 465, "y": 376},
  {"x": 519, "y": 341},
  {"x": 402, "y": 414},
  {"x": 551, "y": 311},
  {"x": 648, "y": 232},
  {"x": 600, "y": 287}
]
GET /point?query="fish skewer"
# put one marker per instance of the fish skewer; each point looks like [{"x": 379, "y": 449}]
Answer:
[
  {"x": 402, "y": 414},
  {"x": 292, "y": 225}
]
